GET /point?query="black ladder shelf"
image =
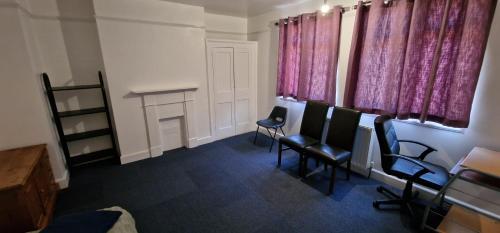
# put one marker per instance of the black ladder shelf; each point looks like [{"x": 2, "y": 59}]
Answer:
[{"x": 88, "y": 158}]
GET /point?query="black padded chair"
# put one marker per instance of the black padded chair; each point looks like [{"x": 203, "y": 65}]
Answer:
[
  {"x": 411, "y": 169},
  {"x": 339, "y": 142},
  {"x": 311, "y": 130},
  {"x": 276, "y": 120}
]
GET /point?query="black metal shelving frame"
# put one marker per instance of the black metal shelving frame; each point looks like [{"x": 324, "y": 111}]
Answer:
[{"x": 88, "y": 158}]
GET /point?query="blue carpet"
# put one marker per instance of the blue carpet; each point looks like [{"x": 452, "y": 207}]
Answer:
[{"x": 229, "y": 186}]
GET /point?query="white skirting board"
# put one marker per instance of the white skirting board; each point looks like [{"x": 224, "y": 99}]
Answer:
[
  {"x": 129, "y": 158},
  {"x": 204, "y": 140},
  {"x": 156, "y": 151},
  {"x": 63, "y": 182}
]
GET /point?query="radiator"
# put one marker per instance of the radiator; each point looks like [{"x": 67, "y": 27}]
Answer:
[{"x": 362, "y": 161}]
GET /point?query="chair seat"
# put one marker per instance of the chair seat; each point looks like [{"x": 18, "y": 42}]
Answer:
[
  {"x": 298, "y": 141},
  {"x": 329, "y": 153},
  {"x": 405, "y": 169},
  {"x": 270, "y": 123}
]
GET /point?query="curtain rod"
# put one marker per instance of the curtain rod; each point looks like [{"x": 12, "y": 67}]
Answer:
[{"x": 346, "y": 8}]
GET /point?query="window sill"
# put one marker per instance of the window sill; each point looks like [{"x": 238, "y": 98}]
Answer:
[
  {"x": 289, "y": 99},
  {"x": 432, "y": 125},
  {"x": 427, "y": 124},
  {"x": 415, "y": 122}
]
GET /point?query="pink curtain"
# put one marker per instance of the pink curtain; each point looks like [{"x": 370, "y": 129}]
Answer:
[
  {"x": 391, "y": 72},
  {"x": 288, "y": 57},
  {"x": 382, "y": 56},
  {"x": 308, "y": 55},
  {"x": 467, "y": 31},
  {"x": 357, "y": 42}
]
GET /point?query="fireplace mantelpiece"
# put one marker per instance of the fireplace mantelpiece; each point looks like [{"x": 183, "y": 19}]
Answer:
[
  {"x": 167, "y": 102},
  {"x": 164, "y": 89}
]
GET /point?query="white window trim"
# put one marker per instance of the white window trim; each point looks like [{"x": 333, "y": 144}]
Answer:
[
  {"x": 432, "y": 125},
  {"x": 416, "y": 122}
]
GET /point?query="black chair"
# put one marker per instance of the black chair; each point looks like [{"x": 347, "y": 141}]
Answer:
[
  {"x": 276, "y": 120},
  {"x": 339, "y": 142},
  {"x": 411, "y": 169},
  {"x": 311, "y": 130}
]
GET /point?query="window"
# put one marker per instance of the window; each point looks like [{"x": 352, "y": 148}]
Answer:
[
  {"x": 418, "y": 59},
  {"x": 308, "y": 54}
]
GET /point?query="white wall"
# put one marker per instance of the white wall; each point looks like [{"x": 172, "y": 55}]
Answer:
[
  {"x": 61, "y": 36},
  {"x": 147, "y": 43},
  {"x": 484, "y": 129},
  {"x": 158, "y": 42},
  {"x": 261, "y": 28},
  {"x": 24, "y": 112},
  {"x": 66, "y": 37},
  {"x": 225, "y": 27}
]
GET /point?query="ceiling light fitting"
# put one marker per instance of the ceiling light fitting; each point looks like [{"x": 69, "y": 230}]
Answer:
[{"x": 325, "y": 8}]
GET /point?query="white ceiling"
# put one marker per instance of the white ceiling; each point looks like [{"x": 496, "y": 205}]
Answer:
[{"x": 240, "y": 8}]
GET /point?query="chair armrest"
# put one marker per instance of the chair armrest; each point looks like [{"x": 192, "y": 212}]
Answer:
[
  {"x": 425, "y": 169},
  {"x": 423, "y": 154}
]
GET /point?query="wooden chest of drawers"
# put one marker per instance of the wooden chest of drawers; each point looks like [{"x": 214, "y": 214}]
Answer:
[{"x": 27, "y": 189}]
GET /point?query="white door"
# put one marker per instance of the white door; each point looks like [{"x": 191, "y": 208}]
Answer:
[
  {"x": 223, "y": 88},
  {"x": 242, "y": 90}
]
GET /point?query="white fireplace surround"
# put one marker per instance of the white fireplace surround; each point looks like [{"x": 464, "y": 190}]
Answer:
[{"x": 167, "y": 102}]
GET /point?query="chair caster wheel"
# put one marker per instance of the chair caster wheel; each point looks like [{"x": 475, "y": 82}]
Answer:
[
  {"x": 376, "y": 205},
  {"x": 379, "y": 189}
]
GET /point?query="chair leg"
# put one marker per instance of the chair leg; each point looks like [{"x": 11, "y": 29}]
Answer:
[
  {"x": 301, "y": 162},
  {"x": 283, "y": 132},
  {"x": 382, "y": 189},
  {"x": 256, "y": 132},
  {"x": 377, "y": 203},
  {"x": 303, "y": 170},
  {"x": 280, "y": 148},
  {"x": 403, "y": 201},
  {"x": 317, "y": 162},
  {"x": 348, "y": 173},
  {"x": 332, "y": 180},
  {"x": 407, "y": 192},
  {"x": 273, "y": 138},
  {"x": 325, "y": 166}
]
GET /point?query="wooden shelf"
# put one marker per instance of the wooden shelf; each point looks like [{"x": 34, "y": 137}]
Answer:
[
  {"x": 78, "y": 87},
  {"x": 82, "y": 112},
  {"x": 460, "y": 219},
  {"x": 88, "y": 134}
]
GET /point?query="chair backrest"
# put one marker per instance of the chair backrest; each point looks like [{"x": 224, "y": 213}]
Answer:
[
  {"x": 314, "y": 118},
  {"x": 343, "y": 127},
  {"x": 387, "y": 140},
  {"x": 278, "y": 114}
]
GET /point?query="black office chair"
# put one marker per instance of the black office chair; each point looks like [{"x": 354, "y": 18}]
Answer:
[
  {"x": 276, "y": 120},
  {"x": 411, "y": 169},
  {"x": 339, "y": 142},
  {"x": 311, "y": 130}
]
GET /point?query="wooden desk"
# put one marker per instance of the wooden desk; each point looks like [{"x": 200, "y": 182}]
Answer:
[
  {"x": 463, "y": 220},
  {"x": 481, "y": 166},
  {"x": 482, "y": 160}
]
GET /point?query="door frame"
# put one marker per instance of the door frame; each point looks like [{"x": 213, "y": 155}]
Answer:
[{"x": 219, "y": 43}]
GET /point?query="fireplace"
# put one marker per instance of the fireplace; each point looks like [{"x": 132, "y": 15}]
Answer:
[{"x": 169, "y": 114}]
